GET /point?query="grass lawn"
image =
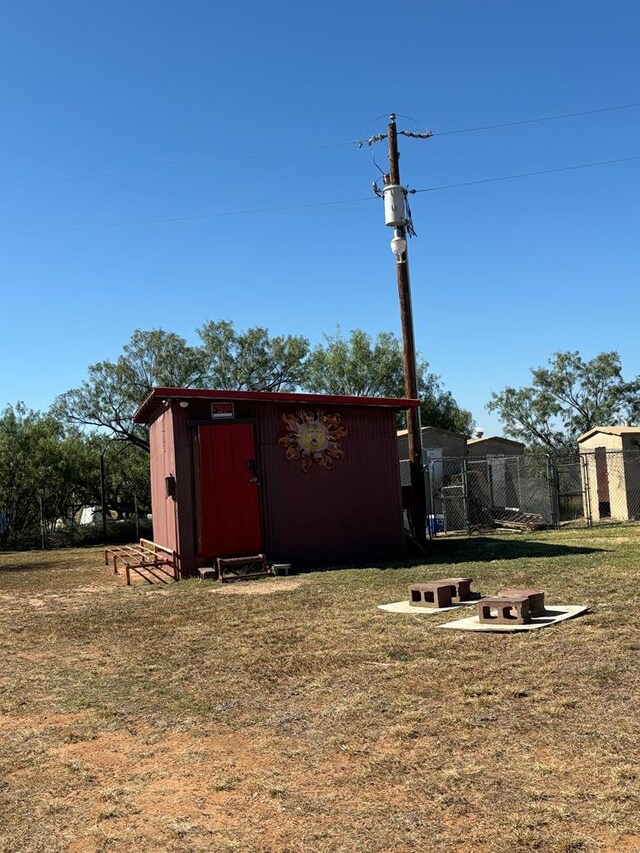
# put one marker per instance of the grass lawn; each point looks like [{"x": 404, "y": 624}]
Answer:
[{"x": 293, "y": 716}]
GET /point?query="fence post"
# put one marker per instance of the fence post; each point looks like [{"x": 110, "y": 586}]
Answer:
[
  {"x": 41, "y": 523},
  {"x": 586, "y": 490},
  {"x": 553, "y": 479},
  {"x": 135, "y": 509},
  {"x": 465, "y": 496},
  {"x": 519, "y": 465}
]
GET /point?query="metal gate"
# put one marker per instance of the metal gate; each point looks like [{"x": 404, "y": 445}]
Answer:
[{"x": 474, "y": 494}]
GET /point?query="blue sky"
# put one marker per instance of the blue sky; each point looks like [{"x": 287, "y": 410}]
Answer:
[{"x": 503, "y": 274}]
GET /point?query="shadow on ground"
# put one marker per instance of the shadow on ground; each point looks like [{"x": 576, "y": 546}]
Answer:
[
  {"x": 34, "y": 561},
  {"x": 494, "y": 548},
  {"x": 486, "y": 548}
]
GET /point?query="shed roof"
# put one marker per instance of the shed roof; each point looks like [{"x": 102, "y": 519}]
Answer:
[
  {"x": 609, "y": 430},
  {"x": 429, "y": 429},
  {"x": 495, "y": 438},
  {"x": 155, "y": 400}
]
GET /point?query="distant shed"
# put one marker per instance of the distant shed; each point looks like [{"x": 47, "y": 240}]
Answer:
[
  {"x": 436, "y": 443},
  {"x": 307, "y": 479},
  {"x": 495, "y": 445},
  {"x": 611, "y": 471}
]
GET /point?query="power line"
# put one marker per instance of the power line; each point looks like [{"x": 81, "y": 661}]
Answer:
[
  {"x": 529, "y": 174},
  {"x": 186, "y": 165},
  {"x": 536, "y": 120},
  {"x": 284, "y": 153},
  {"x": 161, "y": 220},
  {"x": 306, "y": 205},
  {"x": 380, "y": 136}
]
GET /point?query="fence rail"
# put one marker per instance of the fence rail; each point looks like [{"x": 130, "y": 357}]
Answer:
[{"x": 468, "y": 494}]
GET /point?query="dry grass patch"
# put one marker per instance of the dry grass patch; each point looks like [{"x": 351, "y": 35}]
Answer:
[{"x": 175, "y": 719}]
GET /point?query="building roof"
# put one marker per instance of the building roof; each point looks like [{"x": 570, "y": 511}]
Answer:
[
  {"x": 156, "y": 399},
  {"x": 495, "y": 438},
  {"x": 402, "y": 432},
  {"x": 610, "y": 430}
]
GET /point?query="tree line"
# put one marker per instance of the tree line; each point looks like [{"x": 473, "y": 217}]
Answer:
[
  {"x": 252, "y": 360},
  {"x": 50, "y": 462},
  {"x": 50, "y": 470}
]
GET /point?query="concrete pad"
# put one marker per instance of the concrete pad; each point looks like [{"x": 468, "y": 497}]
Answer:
[
  {"x": 554, "y": 614},
  {"x": 407, "y": 607}
]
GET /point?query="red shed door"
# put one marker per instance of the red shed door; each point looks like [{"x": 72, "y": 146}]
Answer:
[{"x": 229, "y": 509}]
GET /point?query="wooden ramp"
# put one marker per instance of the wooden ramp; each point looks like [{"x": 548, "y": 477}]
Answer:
[{"x": 153, "y": 563}]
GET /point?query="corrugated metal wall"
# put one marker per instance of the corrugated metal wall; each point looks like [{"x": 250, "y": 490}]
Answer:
[
  {"x": 162, "y": 453},
  {"x": 350, "y": 514},
  {"x": 185, "y": 495}
]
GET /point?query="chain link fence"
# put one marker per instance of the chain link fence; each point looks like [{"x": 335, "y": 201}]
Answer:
[
  {"x": 37, "y": 523},
  {"x": 467, "y": 495}
]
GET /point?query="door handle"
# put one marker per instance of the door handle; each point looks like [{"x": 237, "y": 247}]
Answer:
[{"x": 252, "y": 466}]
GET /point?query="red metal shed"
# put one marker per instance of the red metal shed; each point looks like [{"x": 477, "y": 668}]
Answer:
[{"x": 307, "y": 479}]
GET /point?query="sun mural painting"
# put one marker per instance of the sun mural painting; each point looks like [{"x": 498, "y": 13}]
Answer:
[{"x": 313, "y": 437}]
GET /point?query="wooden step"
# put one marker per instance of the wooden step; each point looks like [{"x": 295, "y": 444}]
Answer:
[{"x": 242, "y": 568}]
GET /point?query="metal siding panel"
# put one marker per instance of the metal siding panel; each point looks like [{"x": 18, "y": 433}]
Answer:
[
  {"x": 350, "y": 514},
  {"x": 162, "y": 463},
  {"x": 186, "y": 544}
]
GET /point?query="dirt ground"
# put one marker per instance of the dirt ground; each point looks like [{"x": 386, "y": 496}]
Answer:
[{"x": 291, "y": 715}]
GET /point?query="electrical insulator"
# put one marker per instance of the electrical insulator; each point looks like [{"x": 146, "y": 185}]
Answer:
[{"x": 398, "y": 244}]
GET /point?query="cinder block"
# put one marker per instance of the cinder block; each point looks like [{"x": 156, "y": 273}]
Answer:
[
  {"x": 535, "y": 596},
  {"x": 432, "y": 594},
  {"x": 504, "y": 610},
  {"x": 460, "y": 588},
  {"x": 207, "y": 573}
]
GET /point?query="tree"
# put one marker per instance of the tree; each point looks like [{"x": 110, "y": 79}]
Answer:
[
  {"x": 566, "y": 399},
  {"x": 367, "y": 366},
  {"x": 107, "y": 400},
  {"x": 44, "y": 469},
  {"x": 127, "y": 483},
  {"x": 251, "y": 360}
]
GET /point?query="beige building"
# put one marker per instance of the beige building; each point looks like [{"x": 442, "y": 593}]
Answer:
[{"x": 611, "y": 471}]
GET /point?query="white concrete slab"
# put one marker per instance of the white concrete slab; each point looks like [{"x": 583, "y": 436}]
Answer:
[
  {"x": 555, "y": 613},
  {"x": 407, "y": 607}
]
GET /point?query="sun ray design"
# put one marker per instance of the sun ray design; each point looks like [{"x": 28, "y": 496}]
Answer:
[{"x": 313, "y": 436}]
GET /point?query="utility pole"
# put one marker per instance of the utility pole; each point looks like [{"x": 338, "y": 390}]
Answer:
[
  {"x": 394, "y": 195},
  {"x": 103, "y": 497}
]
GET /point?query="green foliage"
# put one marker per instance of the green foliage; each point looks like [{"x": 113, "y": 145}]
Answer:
[
  {"x": 49, "y": 471},
  {"x": 566, "y": 399},
  {"x": 373, "y": 367},
  {"x": 127, "y": 485},
  {"x": 41, "y": 464},
  {"x": 252, "y": 360},
  {"x": 110, "y": 396}
]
